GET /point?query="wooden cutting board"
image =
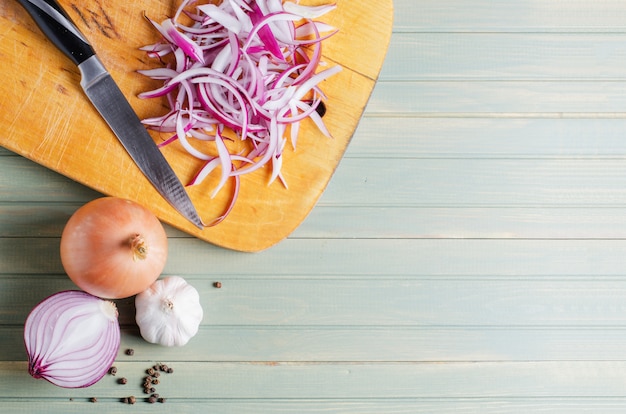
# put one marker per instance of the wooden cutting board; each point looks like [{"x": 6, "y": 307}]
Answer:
[{"x": 47, "y": 118}]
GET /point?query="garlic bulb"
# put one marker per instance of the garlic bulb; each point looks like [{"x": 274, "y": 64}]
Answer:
[{"x": 168, "y": 313}]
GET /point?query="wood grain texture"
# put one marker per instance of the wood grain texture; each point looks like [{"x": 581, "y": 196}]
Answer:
[
  {"x": 44, "y": 126},
  {"x": 466, "y": 257},
  {"x": 562, "y": 16}
]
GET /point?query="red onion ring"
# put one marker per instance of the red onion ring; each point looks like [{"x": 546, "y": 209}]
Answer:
[{"x": 247, "y": 68}]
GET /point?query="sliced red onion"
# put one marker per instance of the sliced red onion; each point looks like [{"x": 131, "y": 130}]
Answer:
[
  {"x": 72, "y": 339},
  {"x": 310, "y": 12},
  {"x": 242, "y": 70}
]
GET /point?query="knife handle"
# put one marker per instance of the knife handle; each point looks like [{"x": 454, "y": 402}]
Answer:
[{"x": 59, "y": 28}]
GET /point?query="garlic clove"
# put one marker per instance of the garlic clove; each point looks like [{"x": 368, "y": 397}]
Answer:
[{"x": 169, "y": 312}]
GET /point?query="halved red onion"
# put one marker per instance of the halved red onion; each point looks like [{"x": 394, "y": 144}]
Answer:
[
  {"x": 72, "y": 339},
  {"x": 243, "y": 70}
]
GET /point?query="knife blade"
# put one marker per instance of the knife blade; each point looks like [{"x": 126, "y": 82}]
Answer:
[{"x": 111, "y": 103}]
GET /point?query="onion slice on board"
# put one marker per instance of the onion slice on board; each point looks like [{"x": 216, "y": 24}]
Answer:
[{"x": 243, "y": 70}]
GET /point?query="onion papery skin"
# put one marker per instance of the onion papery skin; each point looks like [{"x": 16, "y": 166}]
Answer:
[
  {"x": 97, "y": 253},
  {"x": 72, "y": 339}
]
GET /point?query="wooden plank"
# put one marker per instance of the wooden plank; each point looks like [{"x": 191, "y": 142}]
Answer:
[
  {"x": 384, "y": 344},
  {"x": 519, "y": 16},
  {"x": 201, "y": 380},
  {"x": 422, "y": 137},
  {"x": 476, "y": 137},
  {"x": 485, "y": 98},
  {"x": 31, "y": 182},
  {"x": 336, "y": 222},
  {"x": 507, "y": 56},
  {"x": 442, "y": 137},
  {"x": 512, "y": 302},
  {"x": 39, "y": 219},
  {"x": 346, "y": 259},
  {"x": 361, "y": 258},
  {"x": 409, "y": 303},
  {"x": 495, "y": 405},
  {"x": 430, "y": 182},
  {"x": 472, "y": 182}
]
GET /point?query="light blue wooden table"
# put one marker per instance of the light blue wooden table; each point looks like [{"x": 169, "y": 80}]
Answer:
[{"x": 469, "y": 254}]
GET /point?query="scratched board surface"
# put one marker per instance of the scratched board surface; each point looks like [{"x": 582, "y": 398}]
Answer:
[{"x": 49, "y": 120}]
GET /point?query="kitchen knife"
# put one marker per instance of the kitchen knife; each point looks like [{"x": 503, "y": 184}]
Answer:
[{"x": 106, "y": 96}]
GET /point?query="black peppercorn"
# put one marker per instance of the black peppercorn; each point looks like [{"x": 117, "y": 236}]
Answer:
[
  {"x": 93, "y": 399},
  {"x": 125, "y": 400},
  {"x": 162, "y": 399},
  {"x": 113, "y": 370},
  {"x": 150, "y": 371},
  {"x": 130, "y": 351},
  {"x": 152, "y": 400},
  {"x": 155, "y": 381},
  {"x": 170, "y": 370},
  {"x": 156, "y": 375},
  {"x": 217, "y": 285},
  {"x": 122, "y": 381}
]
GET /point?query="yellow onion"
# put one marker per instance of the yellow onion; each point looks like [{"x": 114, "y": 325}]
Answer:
[{"x": 113, "y": 248}]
